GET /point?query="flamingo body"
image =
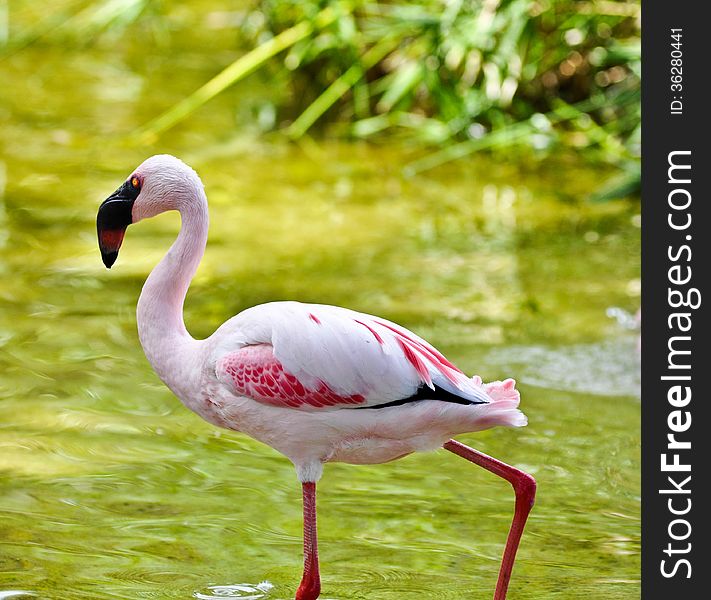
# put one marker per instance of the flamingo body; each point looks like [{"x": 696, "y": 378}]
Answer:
[
  {"x": 291, "y": 375},
  {"x": 317, "y": 383}
]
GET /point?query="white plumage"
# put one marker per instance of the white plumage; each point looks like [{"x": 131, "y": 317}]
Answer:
[{"x": 352, "y": 352}]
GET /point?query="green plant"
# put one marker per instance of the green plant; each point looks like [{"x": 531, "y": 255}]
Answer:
[{"x": 458, "y": 75}]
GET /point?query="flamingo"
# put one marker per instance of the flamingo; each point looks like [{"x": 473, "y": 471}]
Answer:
[{"x": 317, "y": 383}]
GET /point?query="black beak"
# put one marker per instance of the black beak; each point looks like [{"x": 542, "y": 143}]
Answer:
[{"x": 112, "y": 220}]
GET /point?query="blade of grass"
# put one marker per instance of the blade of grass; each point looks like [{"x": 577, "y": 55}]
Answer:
[
  {"x": 106, "y": 15},
  {"x": 626, "y": 184},
  {"x": 339, "y": 87},
  {"x": 406, "y": 78},
  {"x": 239, "y": 69},
  {"x": 424, "y": 126}
]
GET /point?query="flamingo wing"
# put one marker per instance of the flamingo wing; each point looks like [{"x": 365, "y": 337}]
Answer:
[{"x": 309, "y": 356}]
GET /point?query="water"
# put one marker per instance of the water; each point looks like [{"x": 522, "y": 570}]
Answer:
[{"x": 109, "y": 488}]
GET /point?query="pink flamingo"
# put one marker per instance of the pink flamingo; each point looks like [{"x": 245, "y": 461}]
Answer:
[{"x": 317, "y": 383}]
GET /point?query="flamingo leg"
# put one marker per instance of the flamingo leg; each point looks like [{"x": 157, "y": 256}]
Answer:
[
  {"x": 524, "y": 486},
  {"x": 310, "y": 586}
]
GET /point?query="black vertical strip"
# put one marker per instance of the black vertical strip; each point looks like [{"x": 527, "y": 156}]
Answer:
[{"x": 675, "y": 535}]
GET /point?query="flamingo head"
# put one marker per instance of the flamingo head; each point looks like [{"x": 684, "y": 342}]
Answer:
[{"x": 160, "y": 183}]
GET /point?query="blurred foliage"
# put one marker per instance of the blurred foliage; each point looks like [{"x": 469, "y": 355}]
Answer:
[
  {"x": 461, "y": 76},
  {"x": 451, "y": 76},
  {"x": 486, "y": 73}
]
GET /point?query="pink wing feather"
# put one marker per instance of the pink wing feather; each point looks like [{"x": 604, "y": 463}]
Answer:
[
  {"x": 256, "y": 373},
  {"x": 317, "y": 357}
]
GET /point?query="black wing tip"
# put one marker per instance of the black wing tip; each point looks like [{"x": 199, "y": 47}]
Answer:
[{"x": 427, "y": 393}]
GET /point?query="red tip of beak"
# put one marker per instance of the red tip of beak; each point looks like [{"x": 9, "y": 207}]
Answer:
[
  {"x": 109, "y": 244},
  {"x": 111, "y": 239}
]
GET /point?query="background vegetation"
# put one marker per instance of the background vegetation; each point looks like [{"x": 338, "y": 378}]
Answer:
[{"x": 452, "y": 77}]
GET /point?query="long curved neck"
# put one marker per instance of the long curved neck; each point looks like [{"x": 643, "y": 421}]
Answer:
[{"x": 161, "y": 328}]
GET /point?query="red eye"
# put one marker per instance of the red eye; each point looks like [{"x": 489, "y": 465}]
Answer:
[{"x": 135, "y": 182}]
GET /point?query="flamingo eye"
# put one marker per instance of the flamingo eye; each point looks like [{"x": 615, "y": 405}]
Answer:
[{"x": 135, "y": 182}]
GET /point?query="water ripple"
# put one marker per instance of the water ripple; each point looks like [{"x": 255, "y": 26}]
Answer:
[{"x": 246, "y": 591}]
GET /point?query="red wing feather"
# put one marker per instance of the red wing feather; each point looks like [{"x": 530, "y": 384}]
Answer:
[{"x": 256, "y": 373}]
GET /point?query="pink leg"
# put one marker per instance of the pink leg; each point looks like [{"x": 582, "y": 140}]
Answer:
[
  {"x": 310, "y": 586},
  {"x": 525, "y": 487}
]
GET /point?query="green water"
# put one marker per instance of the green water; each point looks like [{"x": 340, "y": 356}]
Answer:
[{"x": 109, "y": 488}]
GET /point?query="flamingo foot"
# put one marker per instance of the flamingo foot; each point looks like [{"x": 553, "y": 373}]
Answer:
[
  {"x": 524, "y": 486},
  {"x": 309, "y": 589}
]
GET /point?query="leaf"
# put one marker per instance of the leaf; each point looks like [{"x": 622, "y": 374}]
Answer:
[
  {"x": 627, "y": 184},
  {"x": 239, "y": 69},
  {"x": 339, "y": 87},
  {"x": 406, "y": 78}
]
